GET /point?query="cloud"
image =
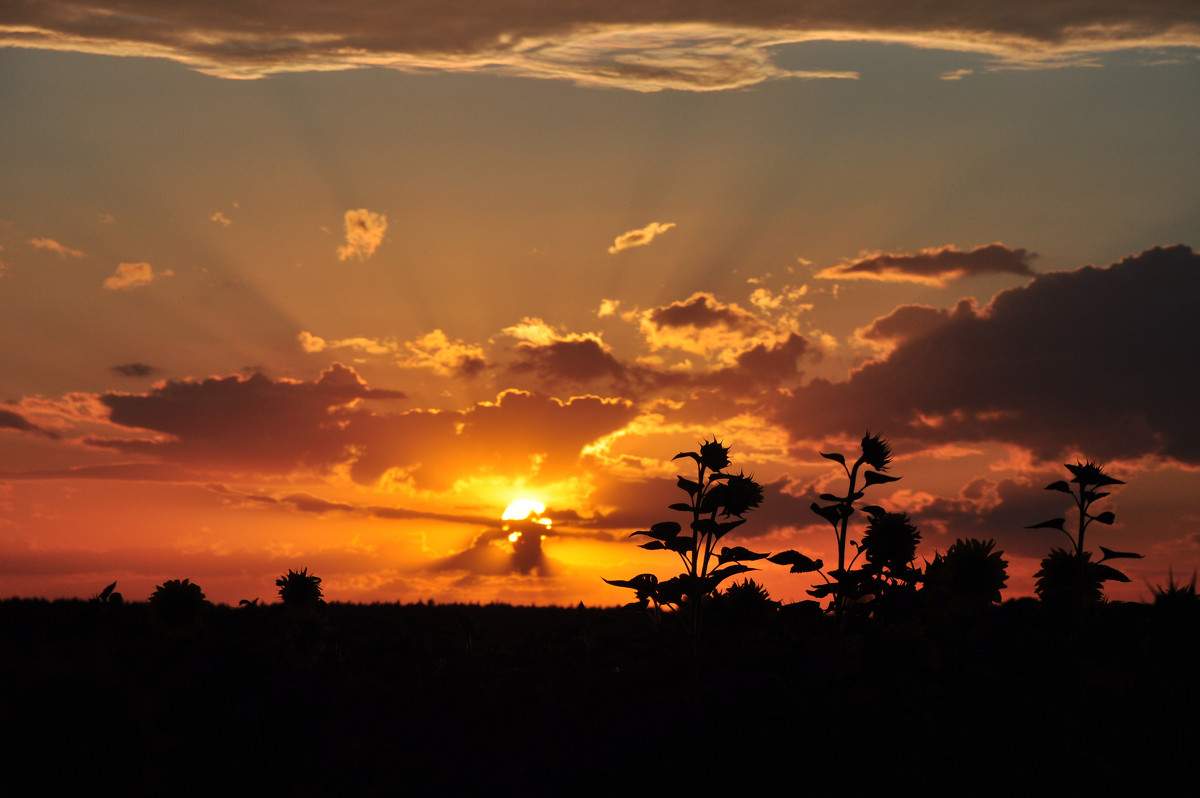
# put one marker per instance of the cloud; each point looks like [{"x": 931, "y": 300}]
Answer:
[
  {"x": 364, "y": 234},
  {"x": 937, "y": 267},
  {"x": 639, "y": 238},
  {"x": 634, "y": 45},
  {"x": 15, "y": 421},
  {"x": 253, "y": 423},
  {"x": 55, "y": 247},
  {"x": 133, "y": 275},
  {"x": 574, "y": 359},
  {"x": 703, "y": 325},
  {"x": 436, "y": 351},
  {"x": 135, "y": 370},
  {"x": 1095, "y": 360},
  {"x": 220, "y": 219}
]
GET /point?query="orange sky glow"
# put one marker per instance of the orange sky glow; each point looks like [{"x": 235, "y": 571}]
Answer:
[{"x": 333, "y": 292}]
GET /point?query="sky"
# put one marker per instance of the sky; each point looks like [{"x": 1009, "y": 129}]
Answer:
[{"x": 291, "y": 285}]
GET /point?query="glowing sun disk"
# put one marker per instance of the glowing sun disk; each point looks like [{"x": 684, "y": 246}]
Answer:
[{"x": 523, "y": 508}]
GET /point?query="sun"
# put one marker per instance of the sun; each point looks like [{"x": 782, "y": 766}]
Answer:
[{"x": 523, "y": 508}]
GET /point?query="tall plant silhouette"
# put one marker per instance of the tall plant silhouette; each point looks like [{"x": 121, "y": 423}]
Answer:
[
  {"x": 844, "y": 584},
  {"x": 717, "y": 502},
  {"x": 1071, "y": 574}
]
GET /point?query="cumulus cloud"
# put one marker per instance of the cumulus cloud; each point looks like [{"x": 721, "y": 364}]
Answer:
[
  {"x": 573, "y": 359},
  {"x": 635, "y": 45},
  {"x": 133, "y": 275},
  {"x": 220, "y": 219},
  {"x": 364, "y": 234},
  {"x": 53, "y": 246},
  {"x": 936, "y": 266},
  {"x": 639, "y": 238},
  {"x": 244, "y": 423},
  {"x": 1088, "y": 360},
  {"x": 435, "y": 350},
  {"x": 703, "y": 325}
]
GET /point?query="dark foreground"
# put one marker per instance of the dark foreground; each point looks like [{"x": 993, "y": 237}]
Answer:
[{"x": 421, "y": 700}]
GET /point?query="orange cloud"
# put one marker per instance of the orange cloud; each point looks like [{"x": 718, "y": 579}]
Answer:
[
  {"x": 364, "y": 234},
  {"x": 639, "y": 238},
  {"x": 55, "y": 247},
  {"x": 133, "y": 275}
]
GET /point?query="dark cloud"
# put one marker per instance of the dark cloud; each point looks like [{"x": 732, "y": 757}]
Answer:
[
  {"x": 909, "y": 321},
  {"x": 701, "y": 311},
  {"x": 11, "y": 420},
  {"x": 252, "y": 423},
  {"x": 135, "y": 370},
  {"x": 933, "y": 266},
  {"x": 640, "y": 45},
  {"x": 1096, "y": 359},
  {"x": 576, "y": 360}
]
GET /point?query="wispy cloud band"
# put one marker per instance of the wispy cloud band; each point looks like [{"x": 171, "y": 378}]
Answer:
[{"x": 637, "y": 45}]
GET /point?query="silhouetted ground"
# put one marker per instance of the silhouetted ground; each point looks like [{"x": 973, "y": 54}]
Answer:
[{"x": 418, "y": 699}]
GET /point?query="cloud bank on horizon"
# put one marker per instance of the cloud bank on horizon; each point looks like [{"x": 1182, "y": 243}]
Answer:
[
  {"x": 640, "y": 46},
  {"x": 1085, "y": 360}
]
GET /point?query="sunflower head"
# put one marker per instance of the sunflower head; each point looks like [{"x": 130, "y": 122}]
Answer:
[
  {"x": 714, "y": 455},
  {"x": 1091, "y": 475},
  {"x": 737, "y": 495},
  {"x": 876, "y": 452},
  {"x": 300, "y": 588}
]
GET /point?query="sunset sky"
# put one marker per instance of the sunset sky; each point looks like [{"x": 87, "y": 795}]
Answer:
[{"x": 330, "y": 285}]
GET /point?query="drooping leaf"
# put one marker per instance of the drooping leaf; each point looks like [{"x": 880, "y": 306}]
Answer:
[
  {"x": 829, "y": 497},
  {"x": 821, "y": 591},
  {"x": 1109, "y": 574},
  {"x": 1109, "y": 554},
  {"x": 704, "y": 526},
  {"x": 721, "y": 574},
  {"x": 832, "y": 513},
  {"x": 834, "y": 456},
  {"x": 875, "y": 478},
  {"x": 639, "y": 581},
  {"x": 874, "y": 511},
  {"x": 683, "y": 507},
  {"x": 692, "y": 455},
  {"x": 737, "y": 554},
  {"x": 1090, "y": 495},
  {"x": 725, "y": 527},
  {"x": 1106, "y": 518},
  {"x": 654, "y": 545},
  {"x": 666, "y": 528},
  {"x": 1061, "y": 486},
  {"x": 800, "y": 563},
  {"x": 1053, "y": 523},
  {"x": 691, "y": 486}
]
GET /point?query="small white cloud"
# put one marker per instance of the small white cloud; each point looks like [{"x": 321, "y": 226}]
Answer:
[
  {"x": 133, "y": 275},
  {"x": 55, "y": 247},
  {"x": 364, "y": 234},
  {"x": 221, "y": 219},
  {"x": 639, "y": 238}
]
